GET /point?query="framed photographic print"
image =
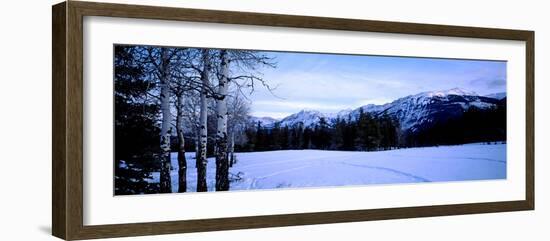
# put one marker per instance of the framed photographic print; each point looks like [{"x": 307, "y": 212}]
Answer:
[{"x": 171, "y": 120}]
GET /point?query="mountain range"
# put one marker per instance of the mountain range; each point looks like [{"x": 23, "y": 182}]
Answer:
[{"x": 413, "y": 112}]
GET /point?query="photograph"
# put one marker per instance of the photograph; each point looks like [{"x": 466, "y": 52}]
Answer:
[{"x": 193, "y": 119}]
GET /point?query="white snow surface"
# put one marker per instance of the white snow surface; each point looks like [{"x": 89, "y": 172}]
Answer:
[{"x": 318, "y": 168}]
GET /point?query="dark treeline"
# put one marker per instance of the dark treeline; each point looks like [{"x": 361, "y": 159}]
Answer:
[
  {"x": 366, "y": 133},
  {"x": 474, "y": 125},
  {"x": 375, "y": 133}
]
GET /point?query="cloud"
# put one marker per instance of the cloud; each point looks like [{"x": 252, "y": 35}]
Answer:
[
  {"x": 325, "y": 86},
  {"x": 496, "y": 83},
  {"x": 276, "y": 115},
  {"x": 298, "y": 105},
  {"x": 330, "y": 84}
]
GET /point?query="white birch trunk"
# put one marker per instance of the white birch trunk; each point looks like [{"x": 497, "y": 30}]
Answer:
[
  {"x": 182, "y": 162},
  {"x": 232, "y": 149},
  {"x": 197, "y": 148},
  {"x": 165, "y": 180},
  {"x": 203, "y": 130},
  {"x": 222, "y": 165}
]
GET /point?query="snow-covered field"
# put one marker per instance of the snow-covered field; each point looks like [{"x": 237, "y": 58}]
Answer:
[{"x": 317, "y": 168}]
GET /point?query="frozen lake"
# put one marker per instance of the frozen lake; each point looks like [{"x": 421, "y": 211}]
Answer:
[{"x": 318, "y": 168}]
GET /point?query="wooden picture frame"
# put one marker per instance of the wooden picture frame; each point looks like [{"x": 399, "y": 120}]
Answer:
[{"x": 67, "y": 150}]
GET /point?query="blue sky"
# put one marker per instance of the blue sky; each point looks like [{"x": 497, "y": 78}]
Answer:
[{"x": 333, "y": 82}]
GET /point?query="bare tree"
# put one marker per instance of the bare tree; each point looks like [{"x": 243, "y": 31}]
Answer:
[
  {"x": 182, "y": 87},
  {"x": 222, "y": 169},
  {"x": 161, "y": 65},
  {"x": 194, "y": 70},
  {"x": 182, "y": 162},
  {"x": 238, "y": 67},
  {"x": 164, "y": 77},
  {"x": 238, "y": 111},
  {"x": 187, "y": 72},
  {"x": 203, "y": 129}
]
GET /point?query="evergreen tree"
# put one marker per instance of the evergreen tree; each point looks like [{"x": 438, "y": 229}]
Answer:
[
  {"x": 284, "y": 138},
  {"x": 260, "y": 138},
  {"x": 136, "y": 133},
  {"x": 323, "y": 134}
]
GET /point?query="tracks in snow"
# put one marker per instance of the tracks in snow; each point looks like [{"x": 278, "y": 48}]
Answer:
[{"x": 394, "y": 171}]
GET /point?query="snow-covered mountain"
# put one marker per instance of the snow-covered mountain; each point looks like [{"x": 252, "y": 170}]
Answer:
[
  {"x": 305, "y": 117},
  {"x": 413, "y": 112},
  {"x": 416, "y": 111}
]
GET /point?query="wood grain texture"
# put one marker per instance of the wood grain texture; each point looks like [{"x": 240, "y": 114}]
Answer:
[
  {"x": 74, "y": 121},
  {"x": 155, "y": 228},
  {"x": 67, "y": 136},
  {"x": 59, "y": 193},
  {"x": 280, "y": 20},
  {"x": 530, "y": 120}
]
